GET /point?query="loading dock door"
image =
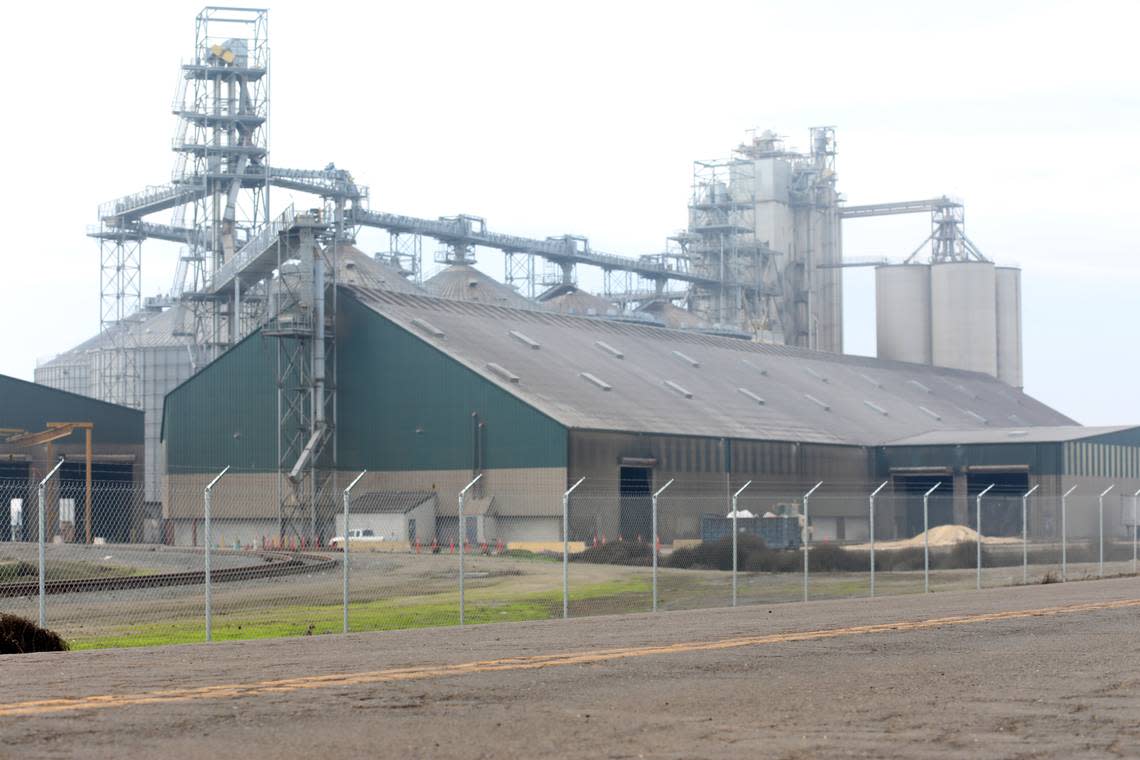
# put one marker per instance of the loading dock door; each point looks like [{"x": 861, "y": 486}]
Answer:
[{"x": 636, "y": 503}]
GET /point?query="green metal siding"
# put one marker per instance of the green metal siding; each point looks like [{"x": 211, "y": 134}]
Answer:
[
  {"x": 227, "y": 413},
  {"x": 1042, "y": 458},
  {"x": 405, "y": 405},
  {"x": 30, "y": 407}
]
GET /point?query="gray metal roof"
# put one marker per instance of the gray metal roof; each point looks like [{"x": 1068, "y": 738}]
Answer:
[
  {"x": 463, "y": 282},
  {"x": 599, "y": 374},
  {"x": 569, "y": 299},
  {"x": 171, "y": 327},
  {"x": 1042, "y": 434},
  {"x": 390, "y": 502},
  {"x": 355, "y": 267}
]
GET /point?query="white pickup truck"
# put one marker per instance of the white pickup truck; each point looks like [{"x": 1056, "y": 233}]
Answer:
[{"x": 356, "y": 536}]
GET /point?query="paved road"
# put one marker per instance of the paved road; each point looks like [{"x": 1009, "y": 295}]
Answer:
[{"x": 1041, "y": 671}]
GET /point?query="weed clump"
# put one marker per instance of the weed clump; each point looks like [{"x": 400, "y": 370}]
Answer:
[{"x": 20, "y": 636}]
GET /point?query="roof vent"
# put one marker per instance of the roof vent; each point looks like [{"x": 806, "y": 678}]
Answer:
[
  {"x": 503, "y": 372},
  {"x": 977, "y": 417},
  {"x": 920, "y": 386},
  {"x": 966, "y": 391},
  {"x": 676, "y": 388},
  {"x": 524, "y": 339},
  {"x": 686, "y": 358},
  {"x": 609, "y": 349},
  {"x": 931, "y": 413},
  {"x": 595, "y": 380},
  {"x": 821, "y": 404},
  {"x": 871, "y": 380},
  {"x": 876, "y": 408},
  {"x": 761, "y": 370},
  {"x": 751, "y": 395},
  {"x": 428, "y": 327},
  {"x": 815, "y": 374}
]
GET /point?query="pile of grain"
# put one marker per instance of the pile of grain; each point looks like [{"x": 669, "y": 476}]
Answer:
[{"x": 943, "y": 535}]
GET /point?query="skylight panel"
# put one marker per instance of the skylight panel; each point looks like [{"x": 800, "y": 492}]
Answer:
[
  {"x": 759, "y": 369},
  {"x": 931, "y": 413},
  {"x": 609, "y": 349},
  {"x": 428, "y": 327},
  {"x": 745, "y": 392},
  {"x": 526, "y": 341},
  {"x": 977, "y": 417},
  {"x": 595, "y": 380},
  {"x": 871, "y": 380},
  {"x": 503, "y": 372},
  {"x": 677, "y": 389},
  {"x": 816, "y": 375},
  {"x": 875, "y": 407},
  {"x": 920, "y": 386},
  {"x": 821, "y": 404},
  {"x": 687, "y": 359}
]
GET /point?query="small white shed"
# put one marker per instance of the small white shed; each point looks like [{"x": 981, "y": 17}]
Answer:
[{"x": 395, "y": 515}]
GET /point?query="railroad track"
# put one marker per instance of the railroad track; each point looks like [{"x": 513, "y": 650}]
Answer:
[{"x": 276, "y": 564}]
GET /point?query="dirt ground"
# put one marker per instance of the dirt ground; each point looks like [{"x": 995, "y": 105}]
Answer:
[{"x": 1040, "y": 671}]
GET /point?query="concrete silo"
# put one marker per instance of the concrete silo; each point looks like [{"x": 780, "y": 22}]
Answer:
[
  {"x": 902, "y": 312},
  {"x": 1008, "y": 302},
  {"x": 963, "y": 316}
]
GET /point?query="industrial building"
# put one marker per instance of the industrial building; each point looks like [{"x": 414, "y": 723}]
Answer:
[
  {"x": 286, "y": 352},
  {"x": 432, "y": 392},
  {"x": 40, "y": 425}
]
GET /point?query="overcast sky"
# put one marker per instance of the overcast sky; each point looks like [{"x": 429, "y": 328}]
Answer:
[{"x": 585, "y": 117}]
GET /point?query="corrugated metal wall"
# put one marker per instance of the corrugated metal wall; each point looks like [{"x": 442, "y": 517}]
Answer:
[
  {"x": 226, "y": 414},
  {"x": 406, "y": 406},
  {"x": 1041, "y": 458},
  {"x": 30, "y": 406}
]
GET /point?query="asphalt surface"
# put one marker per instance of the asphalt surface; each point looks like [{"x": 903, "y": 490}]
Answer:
[{"x": 1031, "y": 672}]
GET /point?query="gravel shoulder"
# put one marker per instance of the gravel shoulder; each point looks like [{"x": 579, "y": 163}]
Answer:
[{"x": 1059, "y": 685}]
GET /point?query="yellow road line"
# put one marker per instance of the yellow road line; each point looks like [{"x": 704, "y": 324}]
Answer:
[{"x": 533, "y": 662}]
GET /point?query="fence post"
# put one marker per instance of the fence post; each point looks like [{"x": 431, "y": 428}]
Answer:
[
  {"x": 871, "y": 521},
  {"x": 207, "y": 495},
  {"x": 978, "y": 580},
  {"x": 734, "y": 534},
  {"x": 926, "y": 538},
  {"x": 347, "y": 491},
  {"x": 42, "y": 498},
  {"x": 462, "y": 541},
  {"x": 1025, "y": 534},
  {"x": 807, "y": 536},
  {"x": 1134, "y": 497},
  {"x": 1100, "y": 524},
  {"x": 566, "y": 550},
  {"x": 657, "y": 493},
  {"x": 1065, "y": 535}
]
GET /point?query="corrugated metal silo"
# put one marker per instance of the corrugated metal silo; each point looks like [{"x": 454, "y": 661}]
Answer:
[
  {"x": 963, "y": 316},
  {"x": 902, "y": 312},
  {"x": 1008, "y": 292}
]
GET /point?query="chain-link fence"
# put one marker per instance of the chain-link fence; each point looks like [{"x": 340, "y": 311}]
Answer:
[{"x": 249, "y": 554}]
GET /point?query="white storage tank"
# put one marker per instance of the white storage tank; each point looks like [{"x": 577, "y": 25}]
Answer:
[
  {"x": 902, "y": 312},
  {"x": 963, "y": 316},
  {"x": 1008, "y": 292}
]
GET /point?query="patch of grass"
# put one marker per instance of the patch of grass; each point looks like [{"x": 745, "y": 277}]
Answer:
[
  {"x": 487, "y": 605},
  {"x": 66, "y": 570},
  {"x": 529, "y": 555}
]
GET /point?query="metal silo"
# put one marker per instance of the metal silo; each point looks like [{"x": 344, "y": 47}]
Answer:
[
  {"x": 1008, "y": 291},
  {"x": 963, "y": 316},
  {"x": 902, "y": 312}
]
